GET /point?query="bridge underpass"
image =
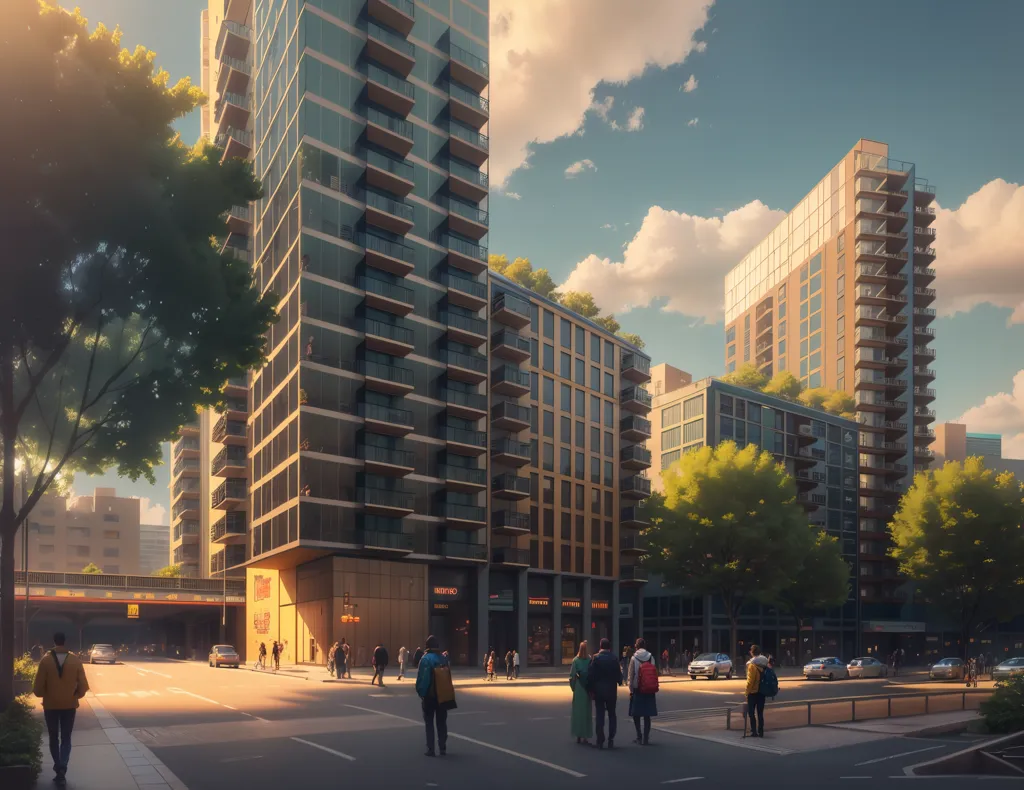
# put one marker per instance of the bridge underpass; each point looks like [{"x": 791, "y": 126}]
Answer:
[{"x": 179, "y": 618}]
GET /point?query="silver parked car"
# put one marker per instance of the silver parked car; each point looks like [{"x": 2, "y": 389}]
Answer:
[
  {"x": 224, "y": 656},
  {"x": 947, "y": 669},
  {"x": 1008, "y": 669},
  {"x": 828, "y": 668},
  {"x": 711, "y": 666},
  {"x": 867, "y": 667},
  {"x": 102, "y": 653}
]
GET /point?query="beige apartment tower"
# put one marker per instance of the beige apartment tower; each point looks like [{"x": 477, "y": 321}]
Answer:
[{"x": 840, "y": 294}]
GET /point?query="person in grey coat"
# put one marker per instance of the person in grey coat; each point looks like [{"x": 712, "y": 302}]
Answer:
[{"x": 642, "y": 707}]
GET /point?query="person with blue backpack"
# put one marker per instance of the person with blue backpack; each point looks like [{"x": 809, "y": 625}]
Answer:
[{"x": 762, "y": 683}]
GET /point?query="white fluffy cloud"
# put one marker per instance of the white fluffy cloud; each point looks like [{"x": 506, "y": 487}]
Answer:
[
  {"x": 576, "y": 168},
  {"x": 980, "y": 251},
  {"x": 548, "y": 56},
  {"x": 635, "y": 122},
  {"x": 1001, "y": 413},
  {"x": 691, "y": 84},
  {"x": 693, "y": 122},
  {"x": 700, "y": 46},
  {"x": 152, "y": 513},
  {"x": 513, "y": 195},
  {"x": 678, "y": 257}
]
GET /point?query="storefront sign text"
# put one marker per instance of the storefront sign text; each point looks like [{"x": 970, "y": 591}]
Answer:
[
  {"x": 260, "y": 588},
  {"x": 446, "y": 592},
  {"x": 539, "y": 602},
  {"x": 572, "y": 603},
  {"x": 599, "y": 606}
]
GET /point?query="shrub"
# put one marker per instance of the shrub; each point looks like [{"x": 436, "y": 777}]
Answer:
[
  {"x": 25, "y": 668},
  {"x": 1004, "y": 710},
  {"x": 21, "y": 736}
]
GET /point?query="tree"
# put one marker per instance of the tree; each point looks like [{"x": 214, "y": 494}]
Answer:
[
  {"x": 823, "y": 581},
  {"x": 814, "y": 398},
  {"x": 581, "y": 302},
  {"x": 170, "y": 572},
  {"x": 783, "y": 385},
  {"x": 747, "y": 375},
  {"x": 958, "y": 537},
  {"x": 634, "y": 338},
  {"x": 118, "y": 316},
  {"x": 608, "y": 323},
  {"x": 92, "y": 569},
  {"x": 840, "y": 403},
  {"x": 730, "y": 526},
  {"x": 521, "y": 272}
]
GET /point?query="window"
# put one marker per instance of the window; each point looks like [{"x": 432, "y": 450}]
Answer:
[
  {"x": 782, "y": 328},
  {"x": 667, "y": 459},
  {"x": 595, "y": 408},
  {"x": 609, "y": 414},
  {"x": 533, "y": 419},
  {"x": 580, "y": 504},
  {"x": 566, "y": 398},
  {"x": 533, "y": 385},
  {"x": 693, "y": 407},
  {"x": 692, "y": 431},
  {"x": 595, "y": 439},
  {"x": 595, "y": 469},
  {"x": 840, "y": 366},
  {"x": 566, "y": 532},
  {"x": 840, "y": 325},
  {"x": 841, "y": 285},
  {"x": 111, "y": 517},
  {"x": 609, "y": 385},
  {"x": 608, "y": 473},
  {"x": 841, "y": 383},
  {"x": 549, "y": 325},
  {"x": 581, "y": 434},
  {"x": 565, "y": 333},
  {"x": 111, "y": 551},
  {"x": 841, "y": 304},
  {"x": 816, "y": 283},
  {"x": 566, "y": 430},
  {"x": 581, "y": 371},
  {"x": 549, "y": 358},
  {"x": 549, "y": 556},
  {"x": 549, "y": 424},
  {"x": 45, "y": 548},
  {"x": 549, "y": 457},
  {"x": 815, "y": 380},
  {"x": 725, "y": 404},
  {"x": 549, "y": 490},
  {"x": 595, "y": 348},
  {"x": 581, "y": 340},
  {"x": 607, "y": 533},
  {"x": 595, "y": 378},
  {"x": 595, "y": 531},
  {"x": 595, "y": 502},
  {"x": 549, "y": 528},
  {"x": 782, "y": 311},
  {"x": 112, "y": 534},
  {"x": 608, "y": 498},
  {"x": 565, "y": 366},
  {"x": 670, "y": 438},
  {"x": 609, "y": 354},
  {"x": 731, "y": 351},
  {"x": 609, "y": 444},
  {"x": 815, "y": 303},
  {"x": 841, "y": 242},
  {"x": 581, "y": 403},
  {"x": 815, "y": 322},
  {"x": 670, "y": 416},
  {"x": 815, "y": 266},
  {"x": 579, "y": 466},
  {"x": 565, "y": 462},
  {"x": 782, "y": 347},
  {"x": 549, "y": 391}
]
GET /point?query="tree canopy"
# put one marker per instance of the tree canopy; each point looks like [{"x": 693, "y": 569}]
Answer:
[
  {"x": 785, "y": 385},
  {"x": 822, "y": 582},
  {"x": 170, "y": 571},
  {"x": 119, "y": 316},
  {"x": 748, "y": 376},
  {"x": 958, "y": 536},
  {"x": 92, "y": 569}
]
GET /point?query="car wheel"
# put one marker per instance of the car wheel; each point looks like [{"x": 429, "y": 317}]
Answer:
[
  {"x": 728, "y": 675},
  {"x": 831, "y": 677},
  {"x": 714, "y": 675},
  {"x": 693, "y": 677}
]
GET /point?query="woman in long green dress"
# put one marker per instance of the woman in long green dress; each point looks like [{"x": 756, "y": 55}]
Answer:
[{"x": 582, "y": 706}]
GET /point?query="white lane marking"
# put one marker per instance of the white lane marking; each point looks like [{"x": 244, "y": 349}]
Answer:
[
  {"x": 112, "y": 694},
  {"x": 342, "y": 755},
  {"x": 542, "y": 718},
  {"x": 241, "y": 759},
  {"x": 213, "y": 702},
  {"x": 503, "y": 750},
  {"x": 684, "y": 779},
  {"x": 901, "y": 754},
  {"x": 152, "y": 672},
  {"x": 145, "y": 693},
  {"x": 854, "y": 777}
]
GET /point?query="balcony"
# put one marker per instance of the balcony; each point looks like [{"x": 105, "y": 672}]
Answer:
[
  {"x": 509, "y": 416},
  {"x": 387, "y": 420},
  {"x": 230, "y": 495},
  {"x": 464, "y": 254},
  {"x": 186, "y": 531},
  {"x": 510, "y": 380},
  {"x": 235, "y": 409},
  {"x": 393, "y": 93},
  {"x": 230, "y": 528},
  {"x": 386, "y": 501},
  {"x": 510, "y": 486},
  {"x": 510, "y": 555},
  {"x": 463, "y": 441},
  {"x": 397, "y": 14},
  {"x": 924, "y": 394},
  {"x": 923, "y": 415},
  {"x": 510, "y": 452},
  {"x": 387, "y": 541},
  {"x": 237, "y": 143},
  {"x": 511, "y": 310},
  {"x": 388, "y": 131},
  {"x": 230, "y": 462},
  {"x": 923, "y": 274},
  {"x": 635, "y": 456},
  {"x": 467, "y": 144},
  {"x": 391, "y": 175},
  {"x": 509, "y": 522},
  {"x": 466, "y": 219},
  {"x": 387, "y": 297},
  {"x": 233, "y": 76},
  {"x": 467, "y": 68},
  {"x": 633, "y": 517},
  {"x": 394, "y": 52},
  {"x": 186, "y": 447},
  {"x": 471, "y": 294},
  {"x": 186, "y": 467},
  {"x": 459, "y": 516},
  {"x": 228, "y": 558},
  {"x": 467, "y": 182},
  {"x": 232, "y": 41},
  {"x": 190, "y": 428},
  {"x": 470, "y": 368},
  {"x": 465, "y": 405},
  {"x": 465, "y": 329},
  {"x": 394, "y": 216},
  {"x": 636, "y": 368},
  {"x": 228, "y": 431},
  {"x": 187, "y": 508},
  {"x": 231, "y": 110},
  {"x": 635, "y": 429},
  {"x": 386, "y": 461},
  {"x": 635, "y": 487},
  {"x": 467, "y": 107},
  {"x": 463, "y": 552},
  {"x": 632, "y": 575},
  {"x": 812, "y": 501},
  {"x": 922, "y": 373},
  {"x": 381, "y": 377},
  {"x": 388, "y": 338},
  {"x": 510, "y": 345},
  {"x": 635, "y": 399},
  {"x": 463, "y": 478},
  {"x": 633, "y": 545},
  {"x": 388, "y": 256}
]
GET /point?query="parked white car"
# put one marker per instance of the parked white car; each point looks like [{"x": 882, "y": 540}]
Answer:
[
  {"x": 827, "y": 668},
  {"x": 867, "y": 667},
  {"x": 711, "y": 666}
]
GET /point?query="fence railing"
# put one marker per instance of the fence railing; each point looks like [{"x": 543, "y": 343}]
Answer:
[{"x": 123, "y": 582}]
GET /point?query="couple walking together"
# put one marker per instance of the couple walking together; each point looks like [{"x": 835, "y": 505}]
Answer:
[{"x": 595, "y": 681}]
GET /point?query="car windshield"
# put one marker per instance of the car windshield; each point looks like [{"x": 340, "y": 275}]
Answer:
[
  {"x": 858, "y": 662},
  {"x": 1014, "y": 662},
  {"x": 102, "y": 647},
  {"x": 948, "y": 662},
  {"x": 820, "y": 660},
  {"x": 224, "y": 649},
  {"x": 707, "y": 657}
]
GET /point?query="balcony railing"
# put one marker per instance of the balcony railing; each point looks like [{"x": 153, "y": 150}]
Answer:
[
  {"x": 511, "y": 303},
  {"x": 506, "y": 410},
  {"x": 511, "y": 374},
  {"x": 467, "y": 59},
  {"x": 386, "y": 455},
  {"x": 243, "y": 136},
  {"x": 399, "y": 334},
  {"x": 477, "y": 362},
  {"x": 464, "y": 322},
  {"x": 507, "y": 337},
  {"x": 463, "y": 247},
  {"x": 226, "y": 427},
  {"x": 637, "y": 394},
  {"x": 464, "y": 551},
  {"x": 229, "y": 490},
  {"x": 510, "y": 555},
  {"x": 192, "y": 464},
  {"x": 387, "y": 497},
  {"x": 394, "y": 41},
  {"x": 510, "y": 447},
  {"x": 229, "y": 456},
  {"x": 470, "y": 174},
  {"x": 633, "y": 543},
  {"x": 511, "y": 483},
  {"x": 188, "y": 503},
  {"x": 472, "y": 213},
  {"x": 394, "y": 166},
  {"x": 632, "y": 515},
  {"x": 379, "y": 539},
  {"x": 123, "y": 582},
  {"x": 398, "y": 293},
  {"x": 395, "y": 208},
  {"x": 636, "y": 483},
  {"x": 468, "y": 97},
  {"x": 390, "y": 248},
  {"x": 470, "y": 136},
  {"x": 186, "y": 486},
  {"x": 187, "y": 527},
  {"x": 636, "y": 362},
  {"x": 635, "y": 453},
  {"x": 455, "y": 510},
  {"x": 392, "y": 123},
  {"x": 374, "y": 411},
  {"x": 466, "y": 285},
  {"x": 510, "y": 519},
  {"x": 636, "y": 424},
  {"x": 231, "y": 524},
  {"x": 470, "y": 400},
  {"x": 465, "y": 436},
  {"x": 397, "y": 84},
  {"x": 463, "y": 474},
  {"x": 380, "y": 370},
  {"x": 632, "y": 573}
]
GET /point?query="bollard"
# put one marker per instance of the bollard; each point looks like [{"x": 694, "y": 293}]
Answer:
[
  {"x": 926, "y": 698},
  {"x": 890, "y": 707},
  {"x": 963, "y": 702},
  {"x": 808, "y": 714},
  {"x": 853, "y": 705},
  {"x": 728, "y": 718}
]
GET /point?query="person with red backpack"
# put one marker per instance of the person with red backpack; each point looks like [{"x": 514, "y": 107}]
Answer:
[{"x": 642, "y": 679}]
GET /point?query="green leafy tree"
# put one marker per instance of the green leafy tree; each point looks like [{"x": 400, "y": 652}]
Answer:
[
  {"x": 581, "y": 302},
  {"x": 747, "y": 375},
  {"x": 608, "y": 323},
  {"x": 729, "y": 526},
  {"x": 118, "y": 316},
  {"x": 521, "y": 272},
  {"x": 170, "y": 572},
  {"x": 634, "y": 338},
  {"x": 783, "y": 385},
  {"x": 822, "y": 582},
  {"x": 92, "y": 569},
  {"x": 840, "y": 403},
  {"x": 958, "y": 537},
  {"x": 814, "y": 398}
]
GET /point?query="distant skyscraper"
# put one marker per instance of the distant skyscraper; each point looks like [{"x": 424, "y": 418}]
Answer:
[
  {"x": 154, "y": 548},
  {"x": 987, "y": 445}
]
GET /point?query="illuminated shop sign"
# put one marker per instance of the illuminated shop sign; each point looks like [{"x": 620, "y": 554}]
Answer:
[
  {"x": 446, "y": 592},
  {"x": 572, "y": 603},
  {"x": 540, "y": 601},
  {"x": 600, "y": 606}
]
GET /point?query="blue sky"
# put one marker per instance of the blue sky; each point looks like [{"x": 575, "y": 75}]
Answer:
[{"x": 780, "y": 92}]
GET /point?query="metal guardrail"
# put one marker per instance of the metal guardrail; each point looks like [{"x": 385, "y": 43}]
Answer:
[{"x": 123, "y": 582}]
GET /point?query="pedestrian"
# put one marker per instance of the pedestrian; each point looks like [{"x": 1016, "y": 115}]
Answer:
[
  {"x": 261, "y": 661},
  {"x": 403, "y": 656},
  {"x": 380, "y": 663},
  {"x": 346, "y": 667},
  {"x": 490, "y": 666},
  {"x": 666, "y": 662},
  {"x": 417, "y": 656},
  {"x": 487, "y": 661},
  {"x": 642, "y": 678},
  {"x": 275, "y": 652},
  {"x": 605, "y": 678},
  {"x": 755, "y": 699},
  {"x": 508, "y": 665},
  {"x": 434, "y": 711},
  {"x": 60, "y": 682},
  {"x": 981, "y": 663},
  {"x": 331, "y": 659},
  {"x": 582, "y": 719},
  {"x": 515, "y": 665}
]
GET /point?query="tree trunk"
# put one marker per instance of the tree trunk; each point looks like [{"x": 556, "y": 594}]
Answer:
[{"x": 7, "y": 550}]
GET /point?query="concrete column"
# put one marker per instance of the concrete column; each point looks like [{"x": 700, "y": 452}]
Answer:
[
  {"x": 483, "y": 591},
  {"x": 588, "y": 618},
  {"x": 556, "y": 622},
  {"x": 616, "y": 643},
  {"x": 522, "y": 625}
]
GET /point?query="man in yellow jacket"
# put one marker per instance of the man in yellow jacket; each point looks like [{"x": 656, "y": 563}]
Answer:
[
  {"x": 755, "y": 699},
  {"x": 61, "y": 682}
]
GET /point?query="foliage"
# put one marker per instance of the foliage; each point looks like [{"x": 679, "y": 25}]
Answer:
[
  {"x": 170, "y": 571},
  {"x": 783, "y": 385},
  {"x": 958, "y": 536},
  {"x": 840, "y": 403},
  {"x": 92, "y": 569},
  {"x": 119, "y": 316},
  {"x": 609, "y": 323},
  {"x": 748, "y": 376},
  {"x": 822, "y": 582},
  {"x": 1004, "y": 710},
  {"x": 581, "y": 302},
  {"x": 634, "y": 338},
  {"x": 25, "y": 667},
  {"x": 729, "y": 525},
  {"x": 21, "y": 736}
]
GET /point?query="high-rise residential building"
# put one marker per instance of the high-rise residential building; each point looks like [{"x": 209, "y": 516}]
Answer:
[
  {"x": 67, "y": 534},
  {"x": 820, "y": 451},
  {"x": 154, "y": 548},
  {"x": 854, "y": 261},
  {"x": 954, "y": 443}
]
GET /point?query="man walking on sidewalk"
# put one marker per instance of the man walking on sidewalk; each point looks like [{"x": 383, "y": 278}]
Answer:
[
  {"x": 604, "y": 678},
  {"x": 755, "y": 699},
  {"x": 61, "y": 682},
  {"x": 380, "y": 663},
  {"x": 403, "y": 656}
]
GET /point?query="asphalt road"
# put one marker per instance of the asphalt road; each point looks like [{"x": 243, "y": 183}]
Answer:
[{"x": 219, "y": 728}]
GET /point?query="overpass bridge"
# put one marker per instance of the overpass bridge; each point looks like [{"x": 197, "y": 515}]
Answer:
[{"x": 181, "y": 616}]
